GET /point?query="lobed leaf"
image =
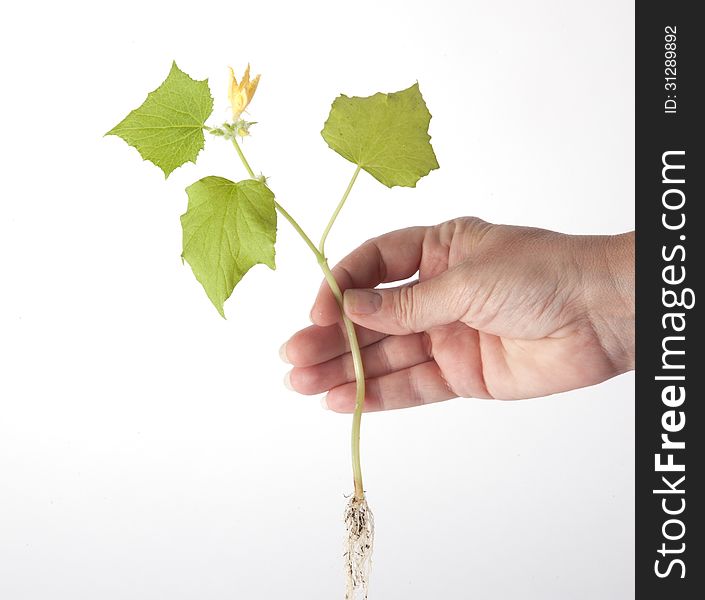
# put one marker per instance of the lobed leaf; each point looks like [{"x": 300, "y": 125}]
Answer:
[
  {"x": 385, "y": 134},
  {"x": 167, "y": 129},
  {"x": 228, "y": 228}
]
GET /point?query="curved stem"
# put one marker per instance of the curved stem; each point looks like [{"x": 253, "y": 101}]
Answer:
[
  {"x": 349, "y": 326},
  {"x": 359, "y": 378},
  {"x": 321, "y": 246}
]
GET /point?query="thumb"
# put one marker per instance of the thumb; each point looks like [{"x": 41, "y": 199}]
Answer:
[{"x": 411, "y": 308}]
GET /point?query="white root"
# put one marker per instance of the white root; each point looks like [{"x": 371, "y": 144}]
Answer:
[{"x": 360, "y": 528}]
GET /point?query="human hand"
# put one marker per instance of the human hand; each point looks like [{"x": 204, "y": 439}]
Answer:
[{"x": 497, "y": 312}]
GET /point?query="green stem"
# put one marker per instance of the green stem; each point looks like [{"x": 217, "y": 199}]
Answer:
[
  {"x": 300, "y": 231},
  {"x": 359, "y": 378},
  {"x": 322, "y": 245},
  {"x": 243, "y": 159},
  {"x": 349, "y": 326}
]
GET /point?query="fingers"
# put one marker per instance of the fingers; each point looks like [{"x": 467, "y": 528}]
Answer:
[
  {"x": 386, "y": 356},
  {"x": 415, "y": 386},
  {"x": 390, "y": 257},
  {"x": 314, "y": 344},
  {"x": 411, "y": 308}
]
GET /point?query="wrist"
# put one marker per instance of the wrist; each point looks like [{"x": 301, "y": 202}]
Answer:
[{"x": 608, "y": 291}]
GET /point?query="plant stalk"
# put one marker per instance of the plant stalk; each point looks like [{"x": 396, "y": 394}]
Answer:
[
  {"x": 359, "y": 378},
  {"x": 243, "y": 159},
  {"x": 298, "y": 229},
  {"x": 322, "y": 245},
  {"x": 349, "y": 326}
]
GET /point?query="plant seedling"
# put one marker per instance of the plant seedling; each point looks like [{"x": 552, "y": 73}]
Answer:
[{"x": 230, "y": 226}]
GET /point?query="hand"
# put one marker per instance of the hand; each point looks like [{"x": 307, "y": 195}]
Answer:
[{"x": 497, "y": 312}]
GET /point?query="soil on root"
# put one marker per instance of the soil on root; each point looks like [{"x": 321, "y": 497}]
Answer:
[{"x": 360, "y": 528}]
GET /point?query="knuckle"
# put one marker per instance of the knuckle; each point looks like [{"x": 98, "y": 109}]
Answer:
[{"x": 405, "y": 306}]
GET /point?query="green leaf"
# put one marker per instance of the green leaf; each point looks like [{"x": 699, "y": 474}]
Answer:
[
  {"x": 168, "y": 128},
  {"x": 228, "y": 228},
  {"x": 385, "y": 134}
]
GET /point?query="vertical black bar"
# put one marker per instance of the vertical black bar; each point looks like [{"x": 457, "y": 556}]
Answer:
[{"x": 669, "y": 524}]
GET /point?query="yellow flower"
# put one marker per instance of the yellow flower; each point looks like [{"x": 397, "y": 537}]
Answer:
[{"x": 240, "y": 94}]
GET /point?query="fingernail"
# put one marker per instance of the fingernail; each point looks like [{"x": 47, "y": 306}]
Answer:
[
  {"x": 324, "y": 402},
  {"x": 287, "y": 381},
  {"x": 282, "y": 353},
  {"x": 362, "y": 302}
]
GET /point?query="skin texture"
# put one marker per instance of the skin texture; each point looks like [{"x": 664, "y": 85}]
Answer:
[{"x": 497, "y": 311}]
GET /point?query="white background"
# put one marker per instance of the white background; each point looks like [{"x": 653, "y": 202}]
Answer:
[{"x": 148, "y": 449}]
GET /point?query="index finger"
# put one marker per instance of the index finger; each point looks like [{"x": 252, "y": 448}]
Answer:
[{"x": 389, "y": 257}]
